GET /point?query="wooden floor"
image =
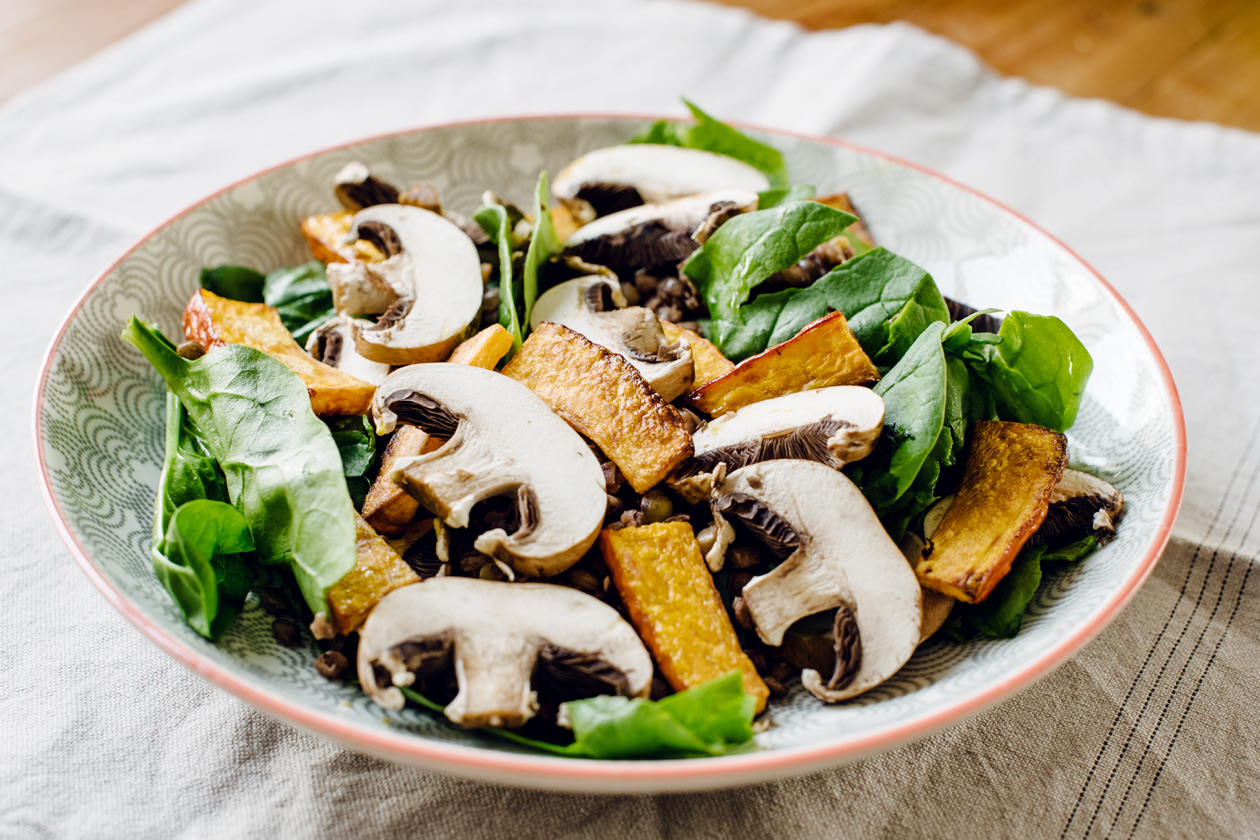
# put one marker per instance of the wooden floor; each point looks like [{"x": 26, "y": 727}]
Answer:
[{"x": 1192, "y": 59}]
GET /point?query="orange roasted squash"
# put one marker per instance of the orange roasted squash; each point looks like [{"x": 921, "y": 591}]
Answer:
[
  {"x": 378, "y": 570},
  {"x": 706, "y": 359},
  {"x": 602, "y": 396},
  {"x": 672, "y": 602},
  {"x": 1001, "y": 501},
  {"x": 326, "y": 235},
  {"x": 824, "y": 353},
  {"x": 213, "y": 321}
]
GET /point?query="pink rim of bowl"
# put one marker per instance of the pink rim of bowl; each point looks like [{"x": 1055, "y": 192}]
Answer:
[{"x": 576, "y": 775}]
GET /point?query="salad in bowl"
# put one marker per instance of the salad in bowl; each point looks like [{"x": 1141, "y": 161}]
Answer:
[{"x": 609, "y": 474}]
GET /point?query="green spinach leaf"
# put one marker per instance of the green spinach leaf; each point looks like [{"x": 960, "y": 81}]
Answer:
[
  {"x": 712, "y": 135},
  {"x": 752, "y": 246},
  {"x": 784, "y": 195},
  {"x": 199, "y": 562},
  {"x": 281, "y": 465},
  {"x": 543, "y": 244},
  {"x": 1000, "y": 615},
  {"x": 708, "y": 720},
  {"x": 302, "y": 296},
  {"x": 356, "y": 443},
  {"x": 914, "y": 393},
  {"x": 767, "y": 320},
  {"x": 1037, "y": 371},
  {"x": 493, "y": 219},
  {"x": 887, "y": 300},
  {"x": 235, "y": 282}
]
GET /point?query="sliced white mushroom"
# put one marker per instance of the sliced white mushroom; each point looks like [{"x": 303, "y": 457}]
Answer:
[
  {"x": 356, "y": 188},
  {"x": 498, "y": 636},
  {"x": 502, "y": 440},
  {"x": 595, "y": 307},
  {"x": 654, "y": 234},
  {"x": 624, "y": 176},
  {"x": 1081, "y": 504},
  {"x": 936, "y": 605},
  {"x": 333, "y": 344},
  {"x": 428, "y": 291},
  {"x": 833, "y": 426},
  {"x": 841, "y": 558}
]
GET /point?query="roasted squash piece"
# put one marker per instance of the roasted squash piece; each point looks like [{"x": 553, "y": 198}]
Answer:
[
  {"x": 378, "y": 571},
  {"x": 707, "y": 360},
  {"x": 602, "y": 396},
  {"x": 840, "y": 201},
  {"x": 1000, "y": 503},
  {"x": 563, "y": 221},
  {"x": 822, "y": 354},
  {"x": 326, "y": 235},
  {"x": 672, "y": 602},
  {"x": 213, "y": 321},
  {"x": 484, "y": 349},
  {"x": 387, "y": 508}
]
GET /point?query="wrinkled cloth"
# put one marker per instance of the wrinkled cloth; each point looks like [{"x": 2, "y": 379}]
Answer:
[{"x": 1150, "y": 731}]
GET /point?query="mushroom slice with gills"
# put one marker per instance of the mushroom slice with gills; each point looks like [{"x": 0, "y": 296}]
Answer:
[
  {"x": 595, "y": 307},
  {"x": 841, "y": 559},
  {"x": 428, "y": 290},
  {"x": 629, "y": 175},
  {"x": 495, "y": 634},
  {"x": 333, "y": 344},
  {"x": 936, "y": 605},
  {"x": 653, "y": 234},
  {"x": 503, "y": 441},
  {"x": 833, "y": 426},
  {"x": 1080, "y": 505},
  {"x": 356, "y": 188}
]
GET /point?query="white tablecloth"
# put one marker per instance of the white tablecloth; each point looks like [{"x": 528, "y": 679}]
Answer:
[{"x": 1151, "y": 731}]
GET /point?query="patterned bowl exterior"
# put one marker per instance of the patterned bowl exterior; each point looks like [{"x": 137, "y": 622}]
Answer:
[{"x": 98, "y": 428}]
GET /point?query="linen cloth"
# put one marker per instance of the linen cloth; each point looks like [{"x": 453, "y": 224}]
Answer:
[{"x": 1150, "y": 731}]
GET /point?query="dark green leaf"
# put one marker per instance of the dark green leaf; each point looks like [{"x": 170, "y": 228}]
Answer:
[
  {"x": 1073, "y": 552},
  {"x": 301, "y": 295},
  {"x": 198, "y": 562},
  {"x": 752, "y": 246},
  {"x": 356, "y": 443},
  {"x": 282, "y": 467},
  {"x": 1038, "y": 371},
  {"x": 914, "y": 393},
  {"x": 768, "y": 320},
  {"x": 712, "y": 135},
  {"x": 493, "y": 219},
  {"x": 708, "y": 720},
  {"x": 543, "y": 244},
  {"x": 887, "y": 300},
  {"x": 784, "y": 195},
  {"x": 234, "y": 282}
]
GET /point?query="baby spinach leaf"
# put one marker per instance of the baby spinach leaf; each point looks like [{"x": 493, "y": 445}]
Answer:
[
  {"x": 544, "y": 243},
  {"x": 1038, "y": 370},
  {"x": 493, "y": 219},
  {"x": 768, "y": 319},
  {"x": 711, "y": 719},
  {"x": 235, "y": 282},
  {"x": 281, "y": 465},
  {"x": 199, "y": 563},
  {"x": 712, "y": 135},
  {"x": 784, "y": 195},
  {"x": 752, "y": 246},
  {"x": 914, "y": 393},
  {"x": 356, "y": 443},
  {"x": 302, "y": 296},
  {"x": 188, "y": 470},
  {"x": 887, "y": 300}
]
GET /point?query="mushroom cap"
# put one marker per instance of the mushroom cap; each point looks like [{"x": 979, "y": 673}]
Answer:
[
  {"x": 834, "y": 426},
  {"x": 503, "y": 439},
  {"x": 844, "y": 558},
  {"x": 683, "y": 214},
  {"x": 429, "y": 287},
  {"x": 495, "y": 632},
  {"x": 1081, "y": 504},
  {"x": 332, "y": 343},
  {"x": 632, "y": 332},
  {"x": 657, "y": 172}
]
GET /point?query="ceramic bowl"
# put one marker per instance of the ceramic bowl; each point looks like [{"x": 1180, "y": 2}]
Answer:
[{"x": 98, "y": 429}]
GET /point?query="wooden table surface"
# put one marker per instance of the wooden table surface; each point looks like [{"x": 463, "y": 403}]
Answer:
[{"x": 1191, "y": 59}]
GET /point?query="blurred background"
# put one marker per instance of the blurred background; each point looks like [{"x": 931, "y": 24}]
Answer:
[{"x": 1189, "y": 59}]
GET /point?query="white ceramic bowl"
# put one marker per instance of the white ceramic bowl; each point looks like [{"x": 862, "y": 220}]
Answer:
[{"x": 98, "y": 429}]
